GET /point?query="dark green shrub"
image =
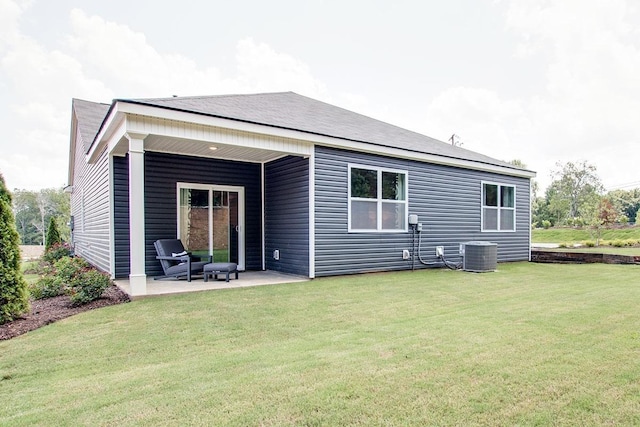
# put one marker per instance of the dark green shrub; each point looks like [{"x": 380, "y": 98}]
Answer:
[
  {"x": 46, "y": 287},
  {"x": 88, "y": 286},
  {"x": 67, "y": 269},
  {"x": 590, "y": 244},
  {"x": 56, "y": 252},
  {"x": 74, "y": 277},
  {"x": 53, "y": 235},
  {"x": 14, "y": 296}
]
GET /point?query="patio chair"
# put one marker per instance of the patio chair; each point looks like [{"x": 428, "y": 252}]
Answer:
[{"x": 176, "y": 261}]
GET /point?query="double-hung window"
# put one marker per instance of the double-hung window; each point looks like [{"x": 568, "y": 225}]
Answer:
[
  {"x": 377, "y": 199},
  {"x": 498, "y": 207}
]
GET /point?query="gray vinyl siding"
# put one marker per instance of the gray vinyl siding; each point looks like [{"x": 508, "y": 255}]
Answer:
[
  {"x": 446, "y": 199},
  {"x": 164, "y": 171},
  {"x": 121, "y": 215},
  {"x": 90, "y": 208},
  {"x": 287, "y": 215}
]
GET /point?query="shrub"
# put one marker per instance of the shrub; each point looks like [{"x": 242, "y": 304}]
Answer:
[
  {"x": 14, "y": 296},
  {"x": 546, "y": 224},
  {"x": 87, "y": 286},
  {"x": 56, "y": 252},
  {"x": 74, "y": 277},
  {"x": 618, "y": 243},
  {"x": 590, "y": 244},
  {"x": 67, "y": 269},
  {"x": 53, "y": 235},
  {"x": 46, "y": 287}
]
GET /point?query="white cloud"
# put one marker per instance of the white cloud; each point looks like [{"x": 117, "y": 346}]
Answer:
[
  {"x": 98, "y": 51},
  {"x": 589, "y": 108},
  {"x": 261, "y": 68},
  {"x": 10, "y": 14}
]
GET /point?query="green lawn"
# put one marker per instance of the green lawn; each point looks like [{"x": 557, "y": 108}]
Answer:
[
  {"x": 575, "y": 235},
  {"x": 532, "y": 344},
  {"x": 601, "y": 250}
]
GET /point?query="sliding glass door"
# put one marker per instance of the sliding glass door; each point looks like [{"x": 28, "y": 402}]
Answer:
[{"x": 211, "y": 221}]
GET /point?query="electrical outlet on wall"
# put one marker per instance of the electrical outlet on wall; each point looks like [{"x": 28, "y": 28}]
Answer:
[
  {"x": 406, "y": 254},
  {"x": 439, "y": 250}
]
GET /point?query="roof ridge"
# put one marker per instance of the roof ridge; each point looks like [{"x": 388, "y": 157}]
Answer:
[{"x": 183, "y": 98}]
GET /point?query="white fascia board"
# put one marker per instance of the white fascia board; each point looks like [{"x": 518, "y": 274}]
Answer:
[
  {"x": 164, "y": 113},
  {"x": 72, "y": 149},
  {"x": 112, "y": 131}
]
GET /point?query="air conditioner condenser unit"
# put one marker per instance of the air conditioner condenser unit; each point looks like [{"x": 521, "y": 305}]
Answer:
[{"x": 480, "y": 257}]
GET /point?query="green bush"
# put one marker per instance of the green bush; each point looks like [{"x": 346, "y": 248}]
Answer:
[
  {"x": 71, "y": 276},
  {"x": 546, "y": 224},
  {"x": 46, "y": 287},
  {"x": 618, "y": 243},
  {"x": 590, "y": 244},
  {"x": 56, "y": 252},
  {"x": 67, "y": 269},
  {"x": 88, "y": 286},
  {"x": 53, "y": 235}
]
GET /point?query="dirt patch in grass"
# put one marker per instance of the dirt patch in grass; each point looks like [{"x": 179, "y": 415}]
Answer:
[{"x": 49, "y": 310}]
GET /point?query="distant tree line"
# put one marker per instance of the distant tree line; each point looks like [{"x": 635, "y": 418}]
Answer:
[
  {"x": 34, "y": 210},
  {"x": 576, "y": 197}
]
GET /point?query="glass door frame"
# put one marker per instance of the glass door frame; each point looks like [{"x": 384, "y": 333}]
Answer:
[{"x": 211, "y": 188}]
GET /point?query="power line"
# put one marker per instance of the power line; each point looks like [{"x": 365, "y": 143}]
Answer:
[{"x": 625, "y": 185}]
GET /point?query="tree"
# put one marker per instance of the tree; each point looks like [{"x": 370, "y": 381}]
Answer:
[
  {"x": 33, "y": 211},
  {"x": 574, "y": 186},
  {"x": 14, "y": 299},
  {"x": 53, "y": 236},
  {"x": 627, "y": 202},
  {"x": 599, "y": 212}
]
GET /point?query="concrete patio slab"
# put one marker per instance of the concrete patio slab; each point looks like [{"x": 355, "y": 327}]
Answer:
[{"x": 245, "y": 279}]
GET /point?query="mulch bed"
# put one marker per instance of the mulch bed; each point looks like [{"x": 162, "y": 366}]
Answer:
[{"x": 49, "y": 310}]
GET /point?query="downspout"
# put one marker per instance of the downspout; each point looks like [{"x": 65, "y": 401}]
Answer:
[{"x": 263, "y": 238}]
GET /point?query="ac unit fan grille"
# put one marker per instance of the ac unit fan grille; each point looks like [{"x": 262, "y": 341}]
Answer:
[{"x": 480, "y": 257}]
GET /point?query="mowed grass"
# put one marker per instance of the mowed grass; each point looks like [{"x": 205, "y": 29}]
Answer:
[
  {"x": 531, "y": 344},
  {"x": 576, "y": 235},
  {"x": 600, "y": 250}
]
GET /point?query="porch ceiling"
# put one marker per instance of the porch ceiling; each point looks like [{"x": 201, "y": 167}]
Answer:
[{"x": 190, "y": 147}]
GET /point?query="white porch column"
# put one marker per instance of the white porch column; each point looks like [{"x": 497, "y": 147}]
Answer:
[{"x": 137, "y": 274}]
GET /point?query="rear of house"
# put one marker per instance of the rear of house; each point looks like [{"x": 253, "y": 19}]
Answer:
[{"x": 280, "y": 182}]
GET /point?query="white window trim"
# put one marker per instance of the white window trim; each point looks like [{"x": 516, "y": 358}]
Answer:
[
  {"x": 379, "y": 201},
  {"x": 498, "y": 208}
]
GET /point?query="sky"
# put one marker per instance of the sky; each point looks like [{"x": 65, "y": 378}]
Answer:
[{"x": 543, "y": 81}]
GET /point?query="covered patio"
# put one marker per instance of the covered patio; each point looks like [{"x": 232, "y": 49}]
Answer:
[{"x": 245, "y": 279}]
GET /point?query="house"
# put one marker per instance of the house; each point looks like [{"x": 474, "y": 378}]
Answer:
[{"x": 279, "y": 181}]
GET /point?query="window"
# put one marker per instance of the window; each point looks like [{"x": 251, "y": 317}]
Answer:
[
  {"x": 377, "y": 199},
  {"x": 498, "y": 207}
]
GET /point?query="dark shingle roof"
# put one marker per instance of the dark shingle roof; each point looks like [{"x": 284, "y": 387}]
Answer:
[
  {"x": 90, "y": 116},
  {"x": 289, "y": 110}
]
